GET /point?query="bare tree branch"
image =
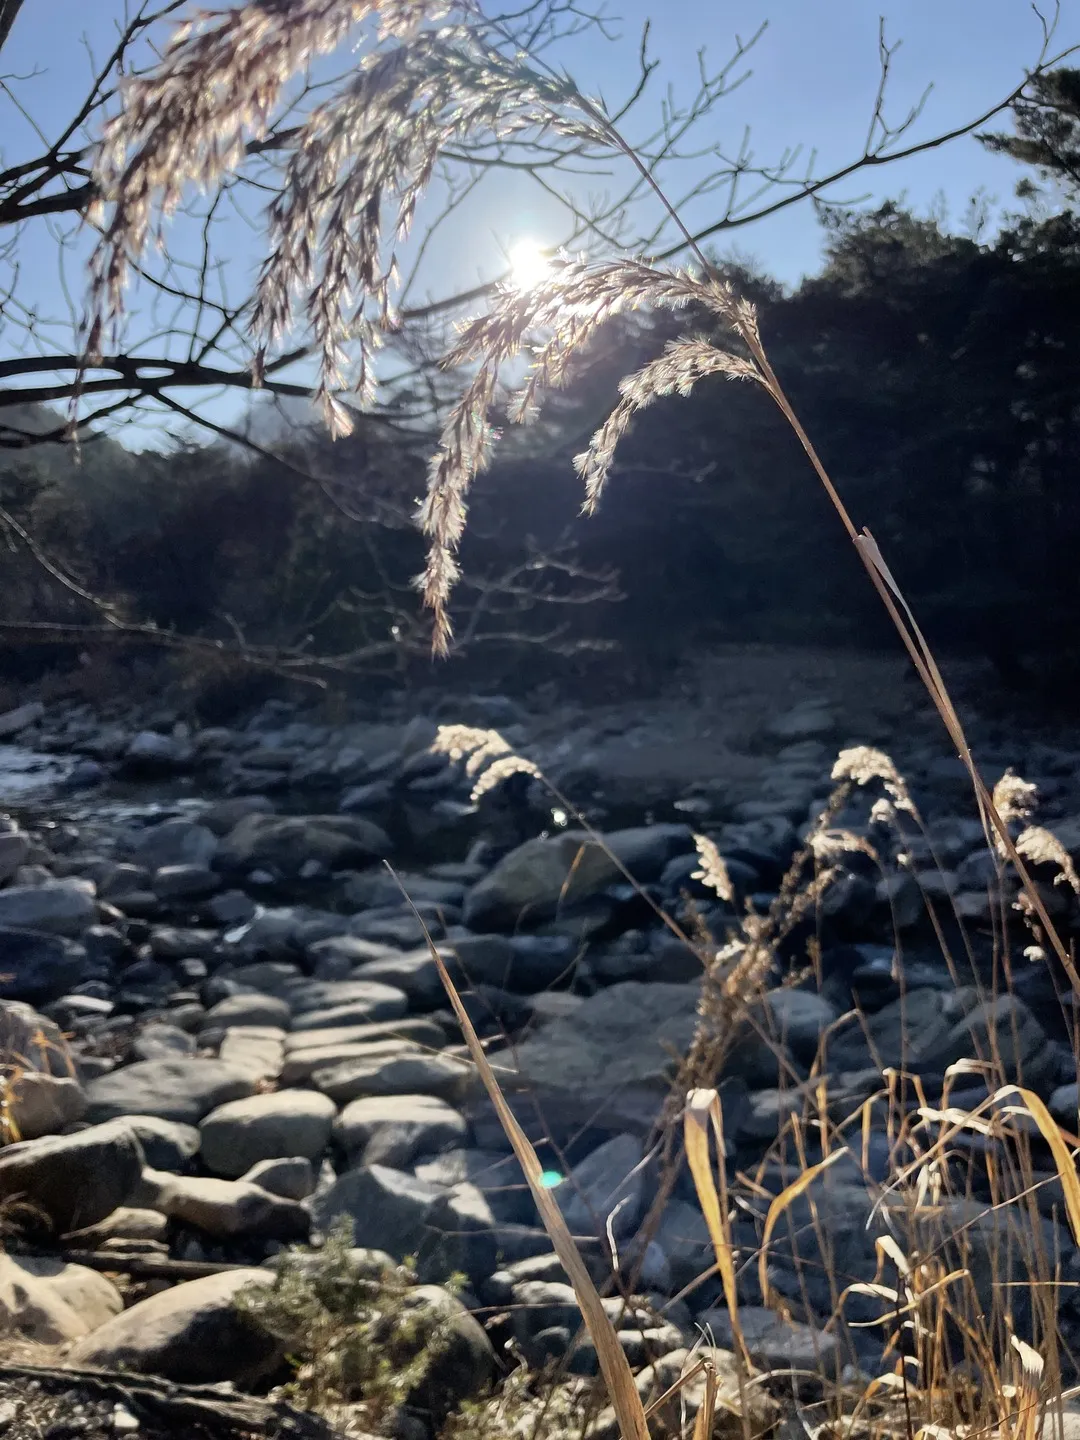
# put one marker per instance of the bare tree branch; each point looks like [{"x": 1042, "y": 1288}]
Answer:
[{"x": 9, "y": 9}]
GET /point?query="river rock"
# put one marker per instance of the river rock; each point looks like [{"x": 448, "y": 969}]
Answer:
[
  {"x": 286, "y": 843},
  {"x": 237, "y": 1135},
  {"x": 250, "y": 1009},
  {"x": 394, "y": 1130},
  {"x": 184, "y": 882},
  {"x": 158, "y": 1041},
  {"x": 58, "y": 907},
  {"x": 150, "y": 753},
  {"x": 166, "y": 1144},
  {"x": 127, "y": 1223},
  {"x": 183, "y": 1090},
  {"x": 401, "y": 1074},
  {"x": 66, "y": 1182},
  {"x": 40, "y": 1104},
  {"x": 387, "y": 1207},
  {"x": 173, "y": 842},
  {"x": 31, "y": 1041},
  {"x": 461, "y": 1361},
  {"x": 225, "y": 815},
  {"x": 292, "y": 1177},
  {"x": 49, "y": 1302},
  {"x": 225, "y": 1209},
  {"x": 193, "y": 1333},
  {"x": 497, "y": 1176},
  {"x": 774, "y": 1343},
  {"x": 545, "y": 875},
  {"x": 606, "y": 1063},
  {"x": 605, "y": 1189},
  {"x": 350, "y": 1002}
]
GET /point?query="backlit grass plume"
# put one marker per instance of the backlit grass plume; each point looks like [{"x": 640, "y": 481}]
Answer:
[
  {"x": 353, "y": 172},
  {"x": 363, "y": 156}
]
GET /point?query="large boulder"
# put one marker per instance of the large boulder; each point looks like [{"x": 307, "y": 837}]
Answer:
[
  {"x": 607, "y": 1063},
  {"x": 58, "y": 907},
  {"x": 194, "y": 1333},
  {"x": 545, "y": 876},
  {"x": 66, "y": 1182},
  {"x": 185, "y": 1089},
  {"x": 239, "y": 1134},
  {"x": 288, "y": 843}
]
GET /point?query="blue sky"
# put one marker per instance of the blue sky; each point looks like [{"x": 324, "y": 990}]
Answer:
[{"x": 812, "y": 82}]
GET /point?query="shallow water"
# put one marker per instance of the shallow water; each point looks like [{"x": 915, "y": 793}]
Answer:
[{"x": 27, "y": 775}]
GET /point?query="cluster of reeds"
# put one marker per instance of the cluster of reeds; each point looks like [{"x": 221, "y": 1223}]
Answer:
[{"x": 369, "y": 149}]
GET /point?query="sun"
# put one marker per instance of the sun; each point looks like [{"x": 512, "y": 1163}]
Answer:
[{"x": 529, "y": 265}]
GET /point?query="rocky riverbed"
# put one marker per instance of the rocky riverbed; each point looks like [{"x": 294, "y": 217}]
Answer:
[{"x": 224, "y": 1029}]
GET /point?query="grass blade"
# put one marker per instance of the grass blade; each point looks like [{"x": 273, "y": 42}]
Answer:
[
  {"x": 614, "y": 1366},
  {"x": 703, "y": 1107}
]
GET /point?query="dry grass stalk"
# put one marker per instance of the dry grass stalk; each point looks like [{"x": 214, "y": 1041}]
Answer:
[{"x": 613, "y": 1363}]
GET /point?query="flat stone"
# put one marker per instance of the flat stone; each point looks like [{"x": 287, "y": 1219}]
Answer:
[
  {"x": 13, "y": 721},
  {"x": 547, "y": 875},
  {"x": 300, "y": 1065},
  {"x": 158, "y": 1041},
  {"x": 14, "y": 848},
  {"x": 153, "y": 754},
  {"x": 257, "y": 1051},
  {"x": 239, "y": 1134},
  {"x": 184, "y": 882},
  {"x": 377, "y": 1002},
  {"x": 250, "y": 1009},
  {"x": 307, "y": 996},
  {"x": 345, "y": 951},
  {"x": 183, "y": 1090},
  {"x": 286, "y": 843},
  {"x": 403, "y": 1074},
  {"x": 773, "y": 1342},
  {"x": 126, "y": 1223},
  {"x": 605, "y": 1189},
  {"x": 497, "y": 1176}
]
